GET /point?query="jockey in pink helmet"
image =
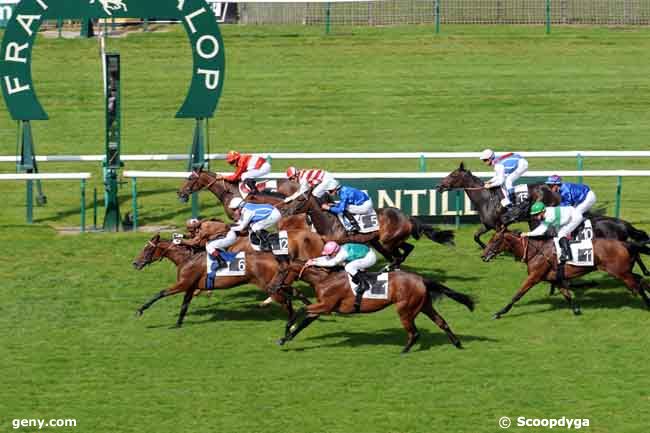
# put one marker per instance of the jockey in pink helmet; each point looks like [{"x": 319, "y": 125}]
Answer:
[
  {"x": 357, "y": 258},
  {"x": 321, "y": 180}
]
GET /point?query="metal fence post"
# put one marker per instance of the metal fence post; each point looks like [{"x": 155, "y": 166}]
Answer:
[
  {"x": 580, "y": 166},
  {"x": 95, "y": 209},
  {"x": 195, "y": 205},
  {"x": 30, "y": 202},
  {"x": 457, "y": 218},
  {"x": 437, "y": 12},
  {"x": 134, "y": 195},
  {"x": 548, "y": 17},
  {"x": 328, "y": 18},
  {"x": 83, "y": 205},
  {"x": 423, "y": 164},
  {"x": 619, "y": 186}
]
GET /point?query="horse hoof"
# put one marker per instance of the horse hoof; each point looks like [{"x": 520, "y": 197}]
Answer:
[
  {"x": 458, "y": 345},
  {"x": 281, "y": 342},
  {"x": 496, "y": 316},
  {"x": 577, "y": 312},
  {"x": 139, "y": 313}
]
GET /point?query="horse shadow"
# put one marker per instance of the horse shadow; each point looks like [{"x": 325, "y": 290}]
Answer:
[{"x": 386, "y": 337}]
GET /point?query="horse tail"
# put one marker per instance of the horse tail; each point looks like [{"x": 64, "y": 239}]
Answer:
[
  {"x": 445, "y": 237},
  {"x": 637, "y": 235},
  {"x": 436, "y": 290}
]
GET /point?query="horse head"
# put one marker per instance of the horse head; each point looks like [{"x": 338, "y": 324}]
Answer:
[
  {"x": 191, "y": 185},
  {"x": 301, "y": 204},
  {"x": 496, "y": 245},
  {"x": 459, "y": 178},
  {"x": 149, "y": 254}
]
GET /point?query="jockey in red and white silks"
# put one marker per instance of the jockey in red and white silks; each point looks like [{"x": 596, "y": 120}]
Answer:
[
  {"x": 321, "y": 180},
  {"x": 247, "y": 167},
  {"x": 507, "y": 169}
]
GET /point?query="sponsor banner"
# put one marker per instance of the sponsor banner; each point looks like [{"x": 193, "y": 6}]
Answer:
[{"x": 6, "y": 11}]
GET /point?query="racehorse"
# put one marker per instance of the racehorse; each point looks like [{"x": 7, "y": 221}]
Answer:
[
  {"x": 226, "y": 191},
  {"x": 488, "y": 201},
  {"x": 411, "y": 293},
  {"x": 394, "y": 229},
  {"x": 191, "y": 275},
  {"x": 612, "y": 256}
]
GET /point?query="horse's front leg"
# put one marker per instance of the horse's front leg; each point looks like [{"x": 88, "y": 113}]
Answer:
[
  {"x": 480, "y": 232},
  {"x": 376, "y": 244},
  {"x": 176, "y": 288},
  {"x": 564, "y": 289},
  {"x": 526, "y": 286}
]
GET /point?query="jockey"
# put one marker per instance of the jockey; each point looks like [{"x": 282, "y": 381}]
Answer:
[
  {"x": 351, "y": 201},
  {"x": 247, "y": 168},
  {"x": 358, "y": 258},
  {"x": 320, "y": 180},
  {"x": 564, "y": 219},
  {"x": 507, "y": 169},
  {"x": 577, "y": 195},
  {"x": 192, "y": 225},
  {"x": 258, "y": 216}
]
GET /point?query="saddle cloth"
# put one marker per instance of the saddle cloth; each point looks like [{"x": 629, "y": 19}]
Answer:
[
  {"x": 236, "y": 267},
  {"x": 521, "y": 193},
  {"x": 582, "y": 248},
  {"x": 378, "y": 285},
  {"x": 368, "y": 222},
  {"x": 279, "y": 242}
]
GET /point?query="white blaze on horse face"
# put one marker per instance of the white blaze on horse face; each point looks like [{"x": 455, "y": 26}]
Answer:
[{"x": 112, "y": 5}]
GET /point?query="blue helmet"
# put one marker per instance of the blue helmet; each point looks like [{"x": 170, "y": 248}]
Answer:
[{"x": 554, "y": 180}]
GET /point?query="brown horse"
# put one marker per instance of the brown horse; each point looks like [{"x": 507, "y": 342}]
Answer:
[
  {"x": 226, "y": 191},
  {"x": 410, "y": 292},
  {"x": 394, "y": 229},
  {"x": 612, "y": 256},
  {"x": 191, "y": 275}
]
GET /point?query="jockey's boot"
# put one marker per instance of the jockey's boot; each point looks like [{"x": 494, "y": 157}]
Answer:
[
  {"x": 361, "y": 280},
  {"x": 265, "y": 243},
  {"x": 353, "y": 222},
  {"x": 216, "y": 256},
  {"x": 566, "y": 250},
  {"x": 250, "y": 184}
]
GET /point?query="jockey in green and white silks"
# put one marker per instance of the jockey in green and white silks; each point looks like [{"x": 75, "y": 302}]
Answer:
[
  {"x": 564, "y": 219},
  {"x": 507, "y": 169},
  {"x": 356, "y": 257}
]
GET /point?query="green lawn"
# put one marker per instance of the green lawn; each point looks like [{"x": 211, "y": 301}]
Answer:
[{"x": 72, "y": 348}]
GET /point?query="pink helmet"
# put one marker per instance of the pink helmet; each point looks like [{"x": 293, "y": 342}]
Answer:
[
  {"x": 330, "y": 248},
  {"x": 291, "y": 172}
]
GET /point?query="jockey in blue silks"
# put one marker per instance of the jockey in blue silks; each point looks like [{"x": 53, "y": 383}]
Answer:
[
  {"x": 352, "y": 201},
  {"x": 576, "y": 195},
  {"x": 507, "y": 169}
]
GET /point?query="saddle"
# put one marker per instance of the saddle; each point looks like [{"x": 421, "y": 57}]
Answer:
[
  {"x": 378, "y": 285},
  {"x": 278, "y": 243}
]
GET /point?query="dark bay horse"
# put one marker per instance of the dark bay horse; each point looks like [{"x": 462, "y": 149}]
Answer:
[
  {"x": 611, "y": 256},
  {"x": 394, "y": 229},
  {"x": 191, "y": 275},
  {"x": 226, "y": 191},
  {"x": 411, "y": 294},
  {"x": 488, "y": 201}
]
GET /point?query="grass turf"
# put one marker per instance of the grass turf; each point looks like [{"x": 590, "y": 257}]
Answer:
[{"x": 73, "y": 350}]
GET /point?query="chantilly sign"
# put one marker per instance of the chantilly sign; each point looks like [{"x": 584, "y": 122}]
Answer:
[{"x": 196, "y": 15}]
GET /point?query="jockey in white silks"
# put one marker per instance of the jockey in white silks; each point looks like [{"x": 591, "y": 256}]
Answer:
[
  {"x": 507, "y": 169},
  {"x": 320, "y": 180}
]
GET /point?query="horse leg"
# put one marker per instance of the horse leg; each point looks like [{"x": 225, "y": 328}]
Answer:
[
  {"x": 376, "y": 244},
  {"x": 564, "y": 289},
  {"x": 642, "y": 266},
  {"x": 438, "y": 320},
  {"x": 635, "y": 283},
  {"x": 551, "y": 291},
  {"x": 408, "y": 249},
  {"x": 305, "y": 322},
  {"x": 176, "y": 288},
  {"x": 189, "y": 293},
  {"x": 526, "y": 286},
  {"x": 407, "y": 312},
  {"x": 477, "y": 236}
]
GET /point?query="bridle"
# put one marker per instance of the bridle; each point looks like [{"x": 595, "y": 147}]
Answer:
[{"x": 148, "y": 257}]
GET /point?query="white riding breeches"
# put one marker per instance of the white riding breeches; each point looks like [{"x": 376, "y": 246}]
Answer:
[
  {"x": 362, "y": 209},
  {"x": 566, "y": 230},
  {"x": 269, "y": 221},
  {"x": 257, "y": 172},
  {"x": 587, "y": 203},
  {"x": 326, "y": 184},
  {"x": 511, "y": 178},
  {"x": 361, "y": 264},
  {"x": 221, "y": 243}
]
